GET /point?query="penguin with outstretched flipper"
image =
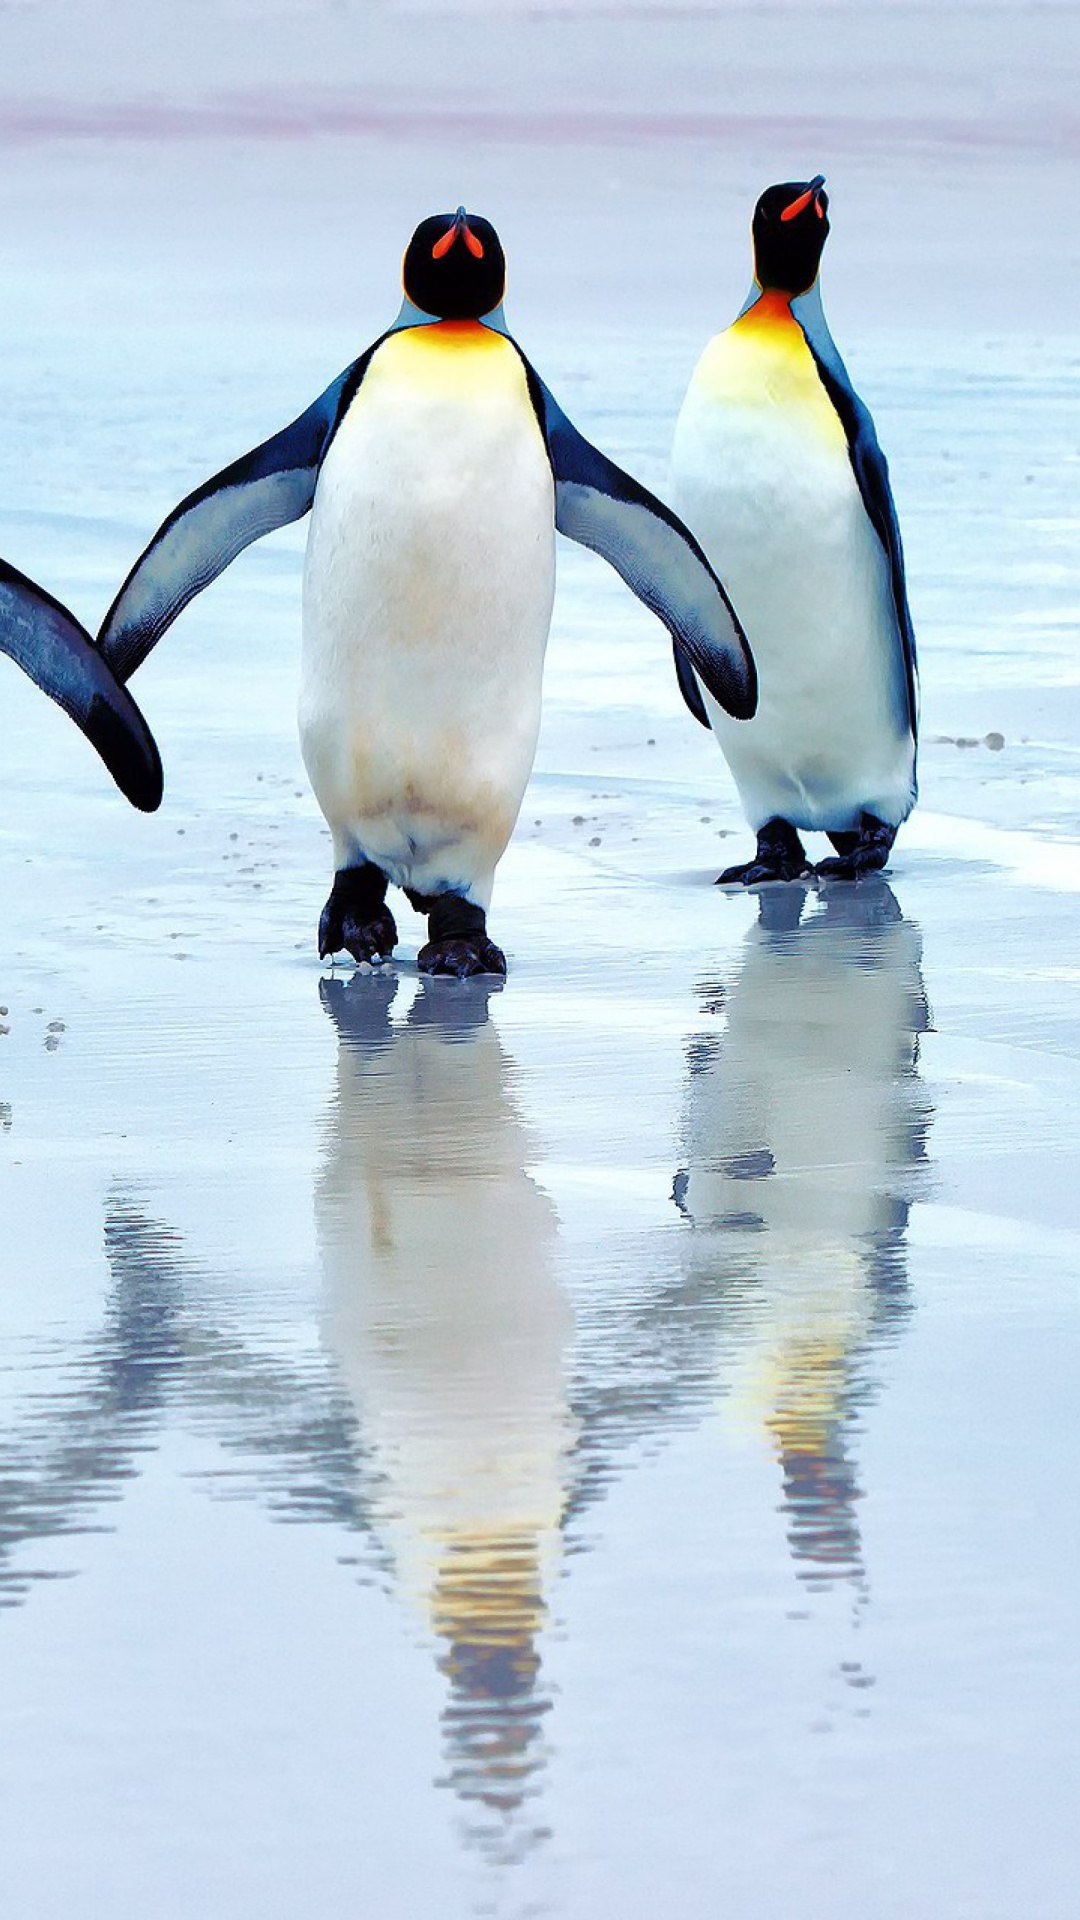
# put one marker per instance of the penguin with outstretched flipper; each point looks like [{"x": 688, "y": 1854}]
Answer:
[
  {"x": 776, "y": 466},
  {"x": 58, "y": 655},
  {"x": 437, "y": 469}
]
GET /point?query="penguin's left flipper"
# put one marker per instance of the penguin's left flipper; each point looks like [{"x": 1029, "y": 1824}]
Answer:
[
  {"x": 688, "y": 686},
  {"x": 264, "y": 489},
  {"x": 50, "y": 646},
  {"x": 602, "y": 507}
]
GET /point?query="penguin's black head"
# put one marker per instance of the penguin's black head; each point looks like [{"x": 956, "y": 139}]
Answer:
[
  {"x": 455, "y": 267},
  {"x": 791, "y": 223}
]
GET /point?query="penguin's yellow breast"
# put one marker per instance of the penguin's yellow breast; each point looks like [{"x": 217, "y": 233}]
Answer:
[
  {"x": 763, "y": 361},
  {"x": 458, "y": 358}
]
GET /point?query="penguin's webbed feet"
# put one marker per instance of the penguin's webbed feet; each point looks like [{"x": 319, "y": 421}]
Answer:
[
  {"x": 780, "y": 855},
  {"x": 865, "y": 851},
  {"x": 356, "y": 917},
  {"x": 458, "y": 942},
  {"x": 462, "y": 958}
]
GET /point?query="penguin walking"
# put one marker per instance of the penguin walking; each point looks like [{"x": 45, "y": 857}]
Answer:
[
  {"x": 776, "y": 466},
  {"x": 437, "y": 468},
  {"x": 58, "y": 655}
]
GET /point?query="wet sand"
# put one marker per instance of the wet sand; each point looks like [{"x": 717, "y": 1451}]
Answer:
[{"x": 603, "y": 1444}]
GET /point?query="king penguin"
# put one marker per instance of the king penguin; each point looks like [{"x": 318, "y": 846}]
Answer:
[
  {"x": 437, "y": 468},
  {"x": 776, "y": 466},
  {"x": 58, "y": 655}
]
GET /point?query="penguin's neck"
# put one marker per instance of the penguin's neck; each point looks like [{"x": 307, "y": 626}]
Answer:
[
  {"x": 771, "y": 305},
  {"x": 410, "y": 315}
]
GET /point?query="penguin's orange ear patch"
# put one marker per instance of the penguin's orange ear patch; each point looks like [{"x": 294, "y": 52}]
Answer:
[
  {"x": 475, "y": 246},
  {"x": 797, "y": 206},
  {"x": 444, "y": 245}
]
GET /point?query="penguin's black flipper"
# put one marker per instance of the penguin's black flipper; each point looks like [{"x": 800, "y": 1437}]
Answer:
[
  {"x": 264, "y": 489},
  {"x": 602, "y": 507},
  {"x": 871, "y": 471},
  {"x": 59, "y": 656},
  {"x": 688, "y": 686}
]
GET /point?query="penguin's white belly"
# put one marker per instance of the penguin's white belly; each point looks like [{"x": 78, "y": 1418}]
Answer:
[
  {"x": 428, "y": 588},
  {"x": 761, "y": 473}
]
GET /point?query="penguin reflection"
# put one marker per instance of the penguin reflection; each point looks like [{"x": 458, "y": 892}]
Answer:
[
  {"x": 805, "y": 1117},
  {"x": 450, "y": 1332},
  {"x": 159, "y": 1353}
]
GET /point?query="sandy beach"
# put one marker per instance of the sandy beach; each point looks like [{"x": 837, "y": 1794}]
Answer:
[{"x": 603, "y": 1445}]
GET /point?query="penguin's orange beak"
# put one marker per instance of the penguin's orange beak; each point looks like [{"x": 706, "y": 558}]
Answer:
[
  {"x": 797, "y": 206},
  {"x": 461, "y": 225}
]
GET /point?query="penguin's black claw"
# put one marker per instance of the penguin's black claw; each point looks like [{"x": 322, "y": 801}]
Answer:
[
  {"x": 866, "y": 851},
  {"x": 368, "y": 940},
  {"x": 851, "y": 866},
  {"x": 458, "y": 941},
  {"x": 756, "y": 873},
  {"x": 780, "y": 855},
  {"x": 356, "y": 916},
  {"x": 462, "y": 957}
]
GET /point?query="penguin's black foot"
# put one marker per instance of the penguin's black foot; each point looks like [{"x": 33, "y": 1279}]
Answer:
[
  {"x": 458, "y": 941},
  {"x": 357, "y": 918},
  {"x": 462, "y": 958},
  {"x": 866, "y": 851},
  {"x": 780, "y": 856},
  {"x": 368, "y": 941}
]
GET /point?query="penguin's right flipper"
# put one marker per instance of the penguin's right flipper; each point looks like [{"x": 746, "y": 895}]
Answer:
[
  {"x": 602, "y": 507},
  {"x": 264, "y": 489},
  {"x": 50, "y": 646}
]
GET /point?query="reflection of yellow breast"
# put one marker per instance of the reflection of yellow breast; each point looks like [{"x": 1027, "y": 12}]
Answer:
[{"x": 763, "y": 361}]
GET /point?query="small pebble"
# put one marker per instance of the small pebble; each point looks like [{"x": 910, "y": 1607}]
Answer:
[
  {"x": 995, "y": 742},
  {"x": 595, "y": 841},
  {"x": 650, "y": 743},
  {"x": 56, "y": 1026},
  {"x": 579, "y": 819},
  {"x": 963, "y": 740}
]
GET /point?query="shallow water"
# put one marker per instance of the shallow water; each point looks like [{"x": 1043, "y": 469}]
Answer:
[{"x": 603, "y": 1445}]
